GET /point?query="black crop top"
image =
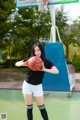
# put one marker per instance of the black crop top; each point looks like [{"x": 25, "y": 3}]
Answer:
[{"x": 36, "y": 77}]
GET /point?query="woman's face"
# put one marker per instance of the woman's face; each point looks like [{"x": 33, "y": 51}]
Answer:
[{"x": 37, "y": 51}]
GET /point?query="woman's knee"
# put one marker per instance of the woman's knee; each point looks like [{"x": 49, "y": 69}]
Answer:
[{"x": 28, "y": 99}]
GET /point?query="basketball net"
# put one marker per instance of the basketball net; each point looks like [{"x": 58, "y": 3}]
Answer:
[{"x": 42, "y": 5}]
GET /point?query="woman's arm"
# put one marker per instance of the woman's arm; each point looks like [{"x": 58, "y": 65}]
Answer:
[
  {"x": 21, "y": 63},
  {"x": 53, "y": 70}
]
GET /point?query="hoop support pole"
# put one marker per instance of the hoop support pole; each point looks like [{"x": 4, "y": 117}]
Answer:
[{"x": 53, "y": 30}]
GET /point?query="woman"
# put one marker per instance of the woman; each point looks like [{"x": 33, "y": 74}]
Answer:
[{"x": 32, "y": 85}]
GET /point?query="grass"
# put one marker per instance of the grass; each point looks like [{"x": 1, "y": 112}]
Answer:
[
  {"x": 12, "y": 74},
  {"x": 20, "y": 70},
  {"x": 77, "y": 80}
]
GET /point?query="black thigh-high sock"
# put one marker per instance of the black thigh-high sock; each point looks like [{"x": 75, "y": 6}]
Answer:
[
  {"x": 29, "y": 112},
  {"x": 43, "y": 112}
]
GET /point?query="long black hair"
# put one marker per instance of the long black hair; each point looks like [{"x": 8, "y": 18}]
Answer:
[{"x": 41, "y": 48}]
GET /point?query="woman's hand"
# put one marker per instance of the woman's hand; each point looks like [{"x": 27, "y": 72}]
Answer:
[
  {"x": 43, "y": 68},
  {"x": 53, "y": 69},
  {"x": 18, "y": 64},
  {"x": 21, "y": 63}
]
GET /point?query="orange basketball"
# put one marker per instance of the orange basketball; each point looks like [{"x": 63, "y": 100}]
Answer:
[{"x": 35, "y": 63}]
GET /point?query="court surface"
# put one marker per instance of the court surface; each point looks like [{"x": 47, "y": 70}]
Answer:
[{"x": 58, "y": 105}]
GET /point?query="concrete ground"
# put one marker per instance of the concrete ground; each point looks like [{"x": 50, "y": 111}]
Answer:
[
  {"x": 18, "y": 85},
  {"x": 59, "y": 106},
  {"x": 77, "y": 85}
]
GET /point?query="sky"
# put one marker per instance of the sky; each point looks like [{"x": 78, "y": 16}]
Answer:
[{"x": 73, "y": 10}]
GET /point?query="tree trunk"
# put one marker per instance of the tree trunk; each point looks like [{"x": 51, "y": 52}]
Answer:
[
  {"x": 67, "y": 52},
  {"x": 10, "y": 57}
]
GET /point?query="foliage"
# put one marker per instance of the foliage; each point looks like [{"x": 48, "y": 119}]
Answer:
[
  {"x": 21, "y": 28},
  {"x": 2, "y": 57},
  {"x": 70, "y": 33},
  {"x": 6, "y": 8},
  {"x": 76, "y": 31},
  {"x": 76, "y": 63},
  {"x": 61, "y": 20},
  {"x": 26, "y": 27}
]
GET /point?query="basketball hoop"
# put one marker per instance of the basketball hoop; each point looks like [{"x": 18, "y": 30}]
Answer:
[
  {"x": 30, "y": 3},
  {"x": 42, "y": 5}
]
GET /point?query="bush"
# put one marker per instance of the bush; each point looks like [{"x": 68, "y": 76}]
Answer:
[
  {"x": 76, "y": 63},
  {"x": 9, "y": 63}
]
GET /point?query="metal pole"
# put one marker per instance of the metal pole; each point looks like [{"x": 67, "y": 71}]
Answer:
[{"x": 53, "y": 30}]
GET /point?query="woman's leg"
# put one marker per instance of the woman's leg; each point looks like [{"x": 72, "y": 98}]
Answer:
[
  {"x": 27, "y": 93},
  {"x": 28, "y": 101},
  {"x": 40, "y": 103}
]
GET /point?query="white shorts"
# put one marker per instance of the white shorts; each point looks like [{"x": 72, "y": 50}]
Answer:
[{"x": 36, "y": 90}]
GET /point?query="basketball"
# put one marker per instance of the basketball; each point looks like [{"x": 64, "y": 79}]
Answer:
[{"x": 35, "y": 63}]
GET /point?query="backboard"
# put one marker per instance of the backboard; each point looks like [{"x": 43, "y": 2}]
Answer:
[{"x": 27, "y": 3}]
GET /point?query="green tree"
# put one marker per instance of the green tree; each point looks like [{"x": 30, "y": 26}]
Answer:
[
  {"x": 75, "y": 28},
  {"x": 28, "y": 28},
  {"x": 24, "y": 27},
  {"x": 6, "y": 8},
  {"x": 69, "y": 32},
  {"x": 61, "y": 20}
]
